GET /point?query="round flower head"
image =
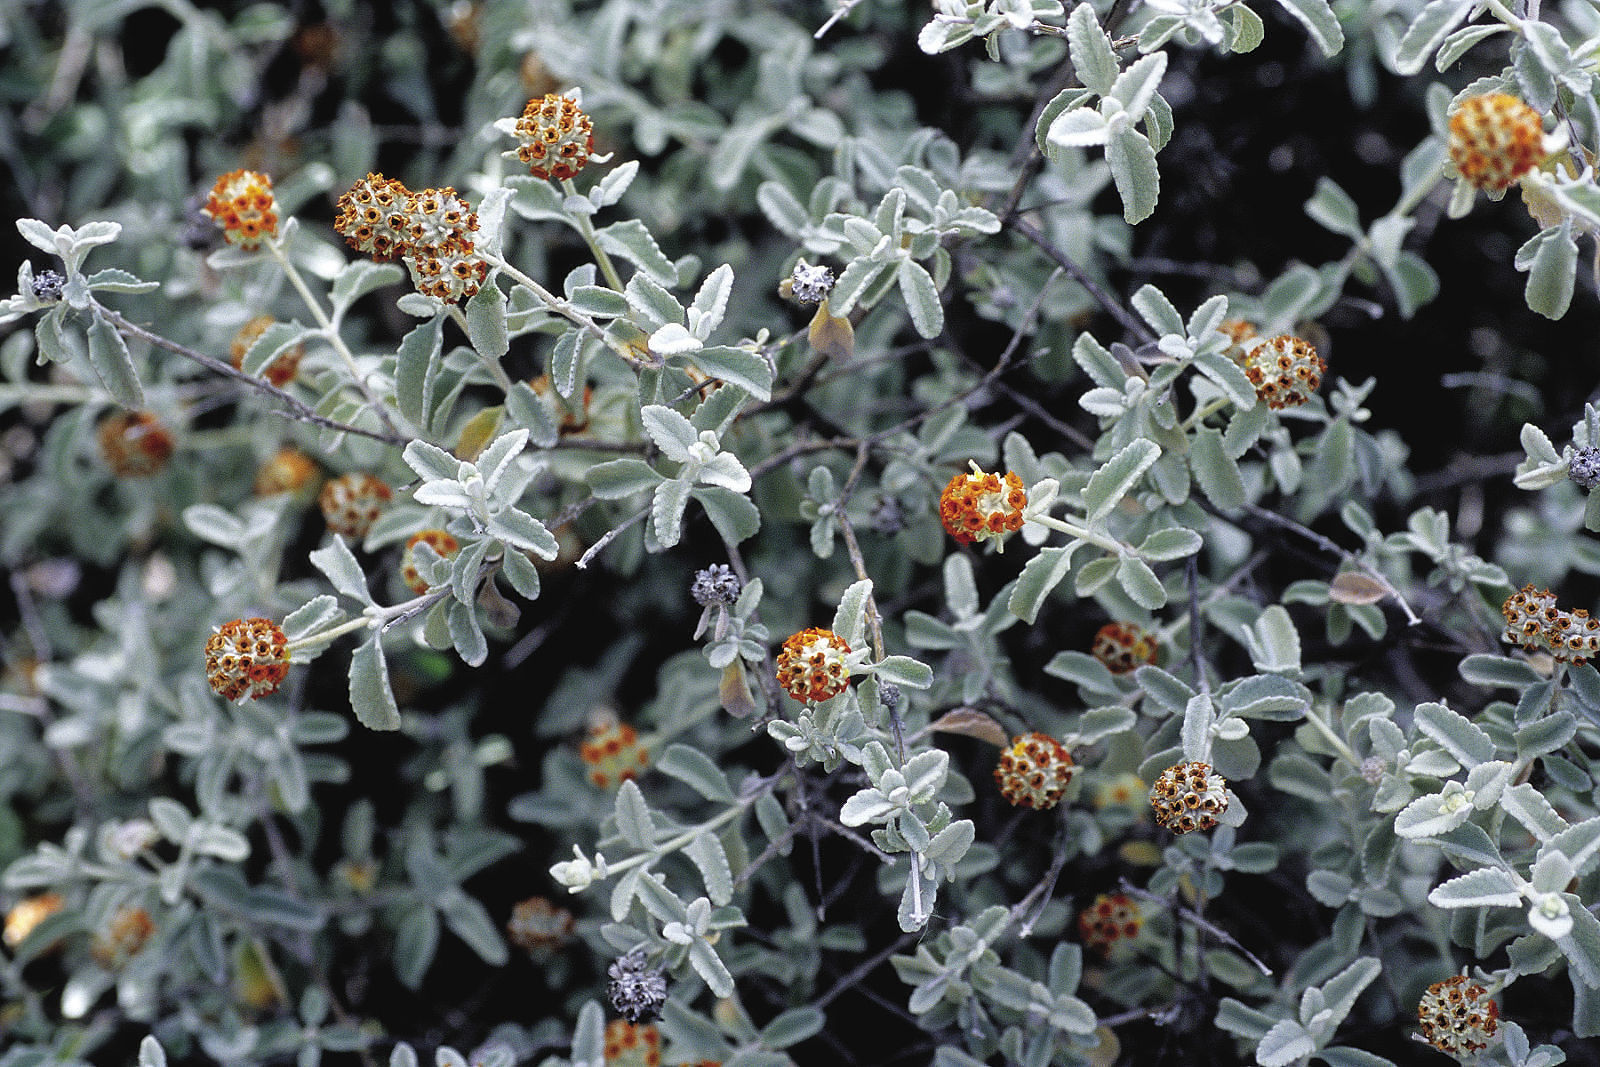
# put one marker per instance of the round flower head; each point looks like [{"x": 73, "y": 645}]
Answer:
[
  {"x": 1285, "y": 371},
  {"x": 716, "y": 584},
  {"x": 123, "y": 938},
  {"x": 1188, "y": 797},
  {"x": 434, "y": 216},
  {"x": 630, "y": 1045},
  {"x": 438, "y": 540},
  {"x": 246, "y": 658},
  {"x": 243, "y": 205},
  {"x": 48, "y": 285},
  {"x": 1584, "y": 468},
  {"x": 1123, "y": 647},
  {"x": 351, "y": 503},
  {"x": 1494, "y": 140},
  {"x": 812, "y": 665},
  {"x": 612, "y": 751},
  {"x": 979, "y": 506},
  {"x": 1457, "y": 1017},
  {"x": 288, "y": 470},
  {"x": 554, "y": 137},
  {"x": 1113, "y": 918},
  {"x": 1034, "y": 771},
  {"x": 282, "y": 369},
  {"x": 1534, "y": 622},
  {"x": 452, "y": 271},
  {"x": 372, "y": 216},
  {"x": 637, "y": 990},
  {"x": 134, "y": 443},
  {"x": 810, "y": 284},
  {"x": 539, "y": 927}
]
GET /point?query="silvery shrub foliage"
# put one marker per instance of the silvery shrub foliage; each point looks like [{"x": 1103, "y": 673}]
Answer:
[{"x": 778, "y": 859}]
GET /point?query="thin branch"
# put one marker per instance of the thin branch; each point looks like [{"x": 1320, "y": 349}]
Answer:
[
  {"x": 1194, "y": 919},
  {"x": 1128, "y": 320}
]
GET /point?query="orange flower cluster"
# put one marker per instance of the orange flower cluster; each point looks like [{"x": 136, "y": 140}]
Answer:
[
  {"x": 630, "y": 1045},
  {"x": 554, "y": 137},
  {"x": 1034, "y": 771},
  {"x": 1124, "y": 647},
  {"x": 28, "y": 913},
  {"x": 287, "y": 470},
  {"x": 613, "y": 751},
  {"x": 280, "y": 371},
  {"x": 129, "y": 931},
  {"x": 1535, "y": 623},
  {"x": 812, "y": 666},
  {"x": 1457, "y": 1016},
  {"x": 539, "y": 927},
  {"x": 135, "y": 444},
  {"x": 243, "y": 205},
  {"x": 1112, "y": 918},
  {"x": 978, "y": 506},
  {"x": 438, "y": 540},
  {"x": 1188, "y": 797},
  {"x": 1285, "y": 370},
  {"x": 351, "y": 503},
  {"x": 431, "y": 231},
  {"x": 246, "y": 658},
  {"x": 1495, "y": 139},
  {"x": 1239, "y": 332}
]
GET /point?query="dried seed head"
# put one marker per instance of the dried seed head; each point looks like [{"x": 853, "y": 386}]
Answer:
[
  {"x": 438, "y": 540},
  {"x": 1123, "y": 647},
  {"x": 809, "y": 284},
  {"x": 1113, "y": 919},
  {"x": 246, "y": 658},
  {"x": 716, "y": 584},
  {"x": 637, "y": 990},
  {"x": 351, "y": 503},
  {"x": 282, "y": 369},
  {"x": 1495, "y": 139},
  {"x": 1584, "y": 470},
  {"x": 1034, "y": 771},
  {"x": 241, "y": 202},
  {"x": 554, "y": 137},
  {"x": 1189, "y": 797},
  {"x": 1285, "y": 370},
  {"x": 135, "y": 444},
  {"x": 812, "y": 665},
  {"x": 1457, "y": 1017},
  {"x": 979, "y": 506}
]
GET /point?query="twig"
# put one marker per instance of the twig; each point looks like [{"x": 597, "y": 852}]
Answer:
[
  {"x": 862, "y": 969},
  {"x": 608, "y": 537},
  {"x": 1329, "y": 546},
  {"x": 1196, "y": 920},
  {"x": 1104, "y": 299}
]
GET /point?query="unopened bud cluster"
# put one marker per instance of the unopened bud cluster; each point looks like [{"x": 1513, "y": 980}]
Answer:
[
  {"x": 637, "y": 991},
  {"x": 1534, "y": 622},
  {"x": 1188, "y": 797},
  {"x": 1034, "y": 771},
  {"x": 810, "y": 284},
  {"x": 1457, "y": 1017},
  {"x": 1584, "y": 468},
  {"x": 716, "y": 584},
  {"x": 431, "y": 231}
]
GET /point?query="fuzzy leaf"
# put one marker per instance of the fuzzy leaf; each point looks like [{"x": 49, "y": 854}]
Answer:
[
  {"x": 371, "y": 698},
  {"x": 1117, "y": 477}
]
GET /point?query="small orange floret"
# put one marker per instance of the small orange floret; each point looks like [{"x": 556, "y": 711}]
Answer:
[
  {"x": 1113, "y": 918},
  {"x": 281, "y": 371},
  {"x": 812, "y": 665},
  {"x": 351, "y": 503},
  {"x": 554, "y": 137},
  {"x": 612, "y": 751},
  {"x": 247, "y": 658},
  {"x": 287, "y": 470},
  {"x": 1034, "y": 771},
  {"x": 440, "y": 541},
  {"x": 1124, "y": 647},
  {"x": 978, "y": 506},
  {"x": 241, "y": 202},
  {"x": 1495, "y": 139},
  {"x": 135, "y": 444}
]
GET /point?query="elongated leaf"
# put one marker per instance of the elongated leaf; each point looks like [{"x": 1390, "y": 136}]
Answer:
[
  {"x": 1285, "y": 1043},
  {"x": 1274, "y": 642},
  {"x": 1484, "y": 887},
  {"x": 736, "y": 366},
  {"x": 1216, "y": 471},
  {"x": 698, "y": 770},
  {"x": 1132, "y": 159},
  {"x": 1551, "y": 259},
  {"x": 666, "y": 511},
  {"x": 1318, "y": 18},
  {"x": 371, "y": 698},
  {"x": 1092, "y": 58},
  {"x": 1113, "y": 481},
  {"x": 711, "y": 860},
  {"x": 1455, "y": 734},
  {"x": 486, "y": 323},
  {"x": 922, "y": 298},
  {"x": 416, "y": 367},
  {"x": 850, "y": 620},
  {"x": 113, "y": 364},
  {"x": 1040, "y": 575},
  {"x": 1427, "y": 31}
]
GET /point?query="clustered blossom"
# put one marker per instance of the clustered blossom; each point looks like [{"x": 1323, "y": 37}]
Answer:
[
  {"x": 612, "y": 751},
  {"x": 1188, "y": 797},
  {"x": 1457, "y": 1017},
  {"x": 539, "y": 927},
  {"x": 716, "y": 584},
  {"x": 1123, "y": 647},
  {"x": 979, "y": 506},
  {"x": 1494, "y": 140},
  {"x": 281, "y": 371},
  {"x": 554, "y": 137},
  {"x": 1285, "y": 370},
  {"x": 247, "y": 658},
  {"x": 812, "y": 665},
  {"x": 431, "y": 231},
  {"x": 243, "y": 205},
  {"x": 441, "y": 541},
  {"x": 810, "y": 284},
  {"x": 1111, "y": 919},
  {"x": 352, "y": 502},
  {"x": 48, "y": 285},
  {"x": 637, "y": 991},
  {"x": 1584, "y": 468},
  {"x": 28, "y": 913},
  {"x": 288, "y": 470},
  {"x": 135, "y": 444},
  {"x": 124, "y": 937},
  {"x": 1534, "y": 622},
  {"x": 1034, "y": 771},
  {"x": 628, "y": 1045}
]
